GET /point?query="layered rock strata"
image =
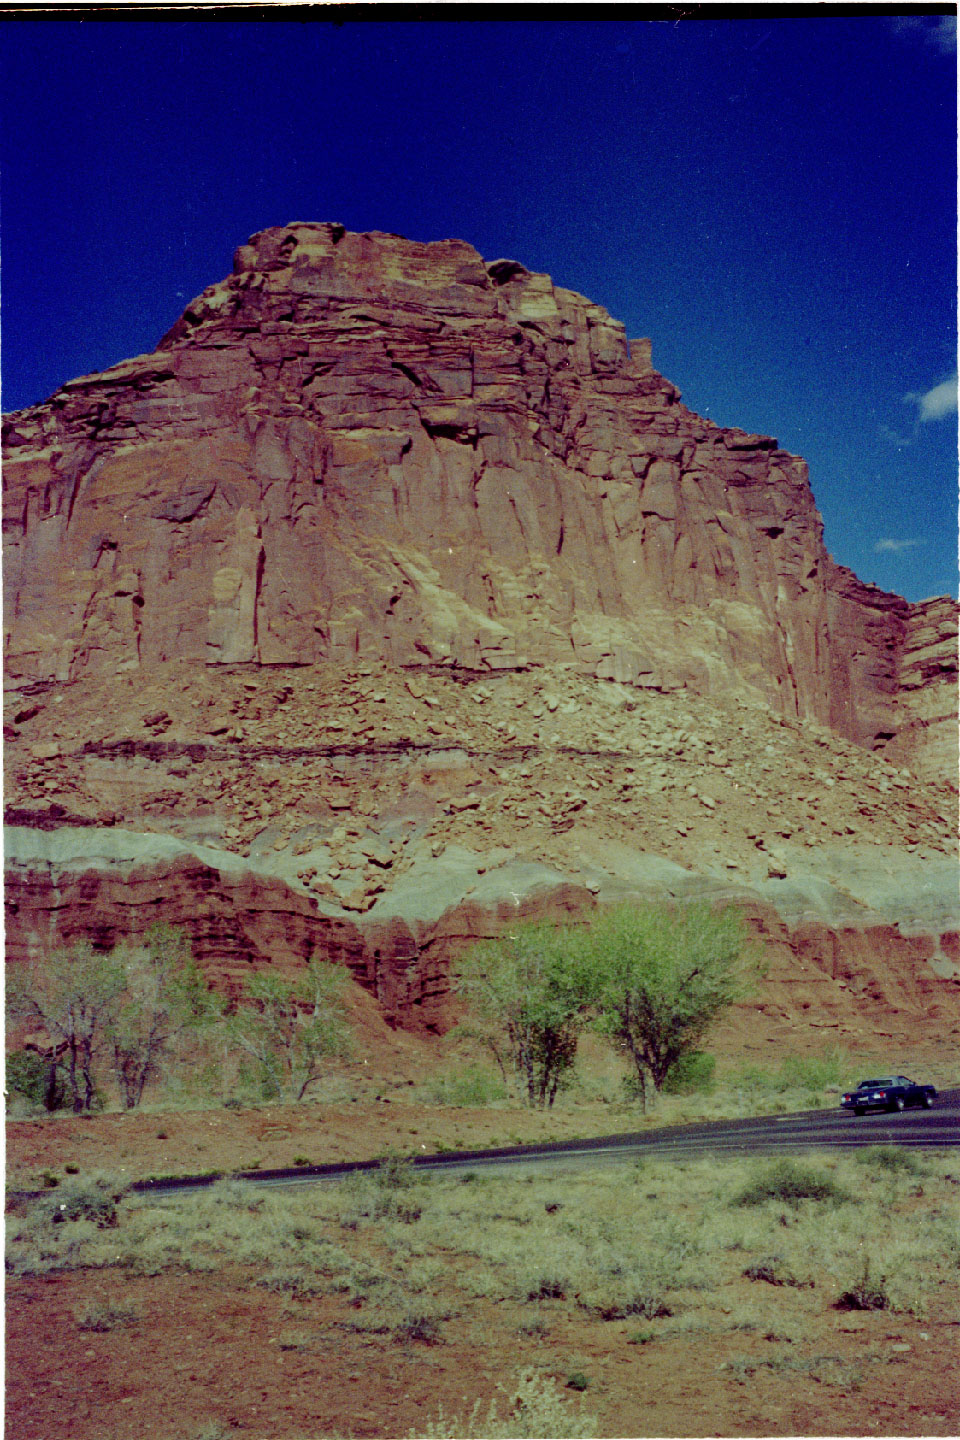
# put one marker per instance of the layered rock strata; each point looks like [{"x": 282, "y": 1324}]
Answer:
[
  {"x": 396, "y": 595},
  {"x": 358, "y": 446}
]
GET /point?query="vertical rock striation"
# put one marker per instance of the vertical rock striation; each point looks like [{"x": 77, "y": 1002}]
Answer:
[{"x": 361, "y": 447}]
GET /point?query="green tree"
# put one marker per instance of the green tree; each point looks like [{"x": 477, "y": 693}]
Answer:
[
  {"x": 288, "y": 1029},
  {"x": 36, "y": 1077},
  {"x": 662, "y": 977},
  {"x": 528, "y": 993},
  {"x": 71, "y": 995},
  {"x": 164, "y": 998}
]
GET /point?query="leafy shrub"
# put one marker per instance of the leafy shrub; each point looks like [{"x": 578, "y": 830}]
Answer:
[
  {"x": 578, "y": 1381},
  {"x": 811, "y": 1073},
  {"x": 692, "y": 1074},
  {"x": 787, "y": 1182}
]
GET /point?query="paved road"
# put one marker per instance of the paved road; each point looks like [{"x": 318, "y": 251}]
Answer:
[{"x": 936, "y": 1129}]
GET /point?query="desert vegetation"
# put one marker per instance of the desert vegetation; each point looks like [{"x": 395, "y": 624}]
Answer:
[
  {"x": 138, "y": 1018},
  {"x": 649, "y": 978},
  {"x": 580, "y": 1299}
]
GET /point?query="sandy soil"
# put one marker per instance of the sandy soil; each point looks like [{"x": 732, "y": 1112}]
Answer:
[
  {"x": 212, "y": 1354},
  {"x": 210, "y": 1348}
]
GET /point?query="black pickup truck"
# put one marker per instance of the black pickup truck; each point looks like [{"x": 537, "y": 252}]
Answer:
[{"x": 892, "y": 1092}]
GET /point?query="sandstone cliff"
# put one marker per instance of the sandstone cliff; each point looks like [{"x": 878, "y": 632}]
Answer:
[
  {"x": 396, "y": 594},
  {"x": 357, "y": 446}
]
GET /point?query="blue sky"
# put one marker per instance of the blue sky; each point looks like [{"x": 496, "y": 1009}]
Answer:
[{"x": 771, "y": 199}]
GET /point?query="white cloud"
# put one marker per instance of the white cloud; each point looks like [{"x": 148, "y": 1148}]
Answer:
[
  {"x": 937, "y": 403},
  {"x": 894, "y": 547},
  {"x": 937, "y": 31}
]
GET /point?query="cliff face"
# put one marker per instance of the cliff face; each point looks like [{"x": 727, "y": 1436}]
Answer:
[
  {"x": 358, "y": 448},
  {"x": 396, "y": 595}
]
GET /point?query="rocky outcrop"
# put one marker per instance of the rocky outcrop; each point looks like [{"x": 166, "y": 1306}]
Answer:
[
  {"x": 360, "y": 448},
  {"x": 396, "y": 594},
  {"x": 835, "y": 963}
]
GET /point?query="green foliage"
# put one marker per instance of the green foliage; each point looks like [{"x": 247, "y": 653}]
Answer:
[
  {"x": 535, "y": 1407},
  {"x": 891, "y": 1159},
  {"x": 787, "y": 1182},
  {"x": 288, "y": 1028},
  {"x": 662, "y": 977},
  {"x": 576, "y": 1380},
  {"x": 692, "y": 1074},
  {"x": 164, "y": 998},
  {"x": 38, "y": 1080},
  {"x": 129, "y": 1007},
  {"x": 529, "y": 991},
  {"x": 812, "y": 1074},
  {"x": 472, "y": 1085},
  {"x": 70, "y": 995}
]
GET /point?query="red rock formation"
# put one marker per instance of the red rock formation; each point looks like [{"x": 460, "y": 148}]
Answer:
[
  {"x": 358, "y": 446},
  {"x": 362, "y": 457},
  {"x": 871, "y": 981}
]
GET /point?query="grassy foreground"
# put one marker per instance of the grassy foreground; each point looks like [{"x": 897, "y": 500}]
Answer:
[{"x": 619, "y": 1302}]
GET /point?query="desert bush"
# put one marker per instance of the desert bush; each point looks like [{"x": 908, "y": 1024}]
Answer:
[
  {"x": 298, "y": 1281},
  {"x": 419, "y": 1322},
  {"x": 787, "y": 1182},
  {"x": 385, "y": 1193},
  {"x": 473, "y": 1085},
  {"x": 890, "y": 1159},
  {"x": 826, "y": 1369},
  {"x": 865, "y": 1292},
  {"x": 643, "y": 1294},
  {"x": 547, "y": 1279},
  {"x": 692, "y": 1074},
  {"x": 95, "y": 1197},
  {"x": 103, "y": 1315},
  {"x": 535, "y": 1406},
  {"x": 773, "y": 1269}
]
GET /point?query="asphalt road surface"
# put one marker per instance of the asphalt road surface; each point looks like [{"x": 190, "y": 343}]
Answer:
[{"x": 936, "y": 1129}]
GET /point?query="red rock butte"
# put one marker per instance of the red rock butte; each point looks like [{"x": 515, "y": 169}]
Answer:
[
  {"x": 359, "y": 455},
  {"x": 361, "y": 446}
]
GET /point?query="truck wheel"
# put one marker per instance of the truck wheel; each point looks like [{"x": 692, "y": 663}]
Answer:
[
  {"x": 928, "y": 1102},
  {"x": 898, "y": 1103}
]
